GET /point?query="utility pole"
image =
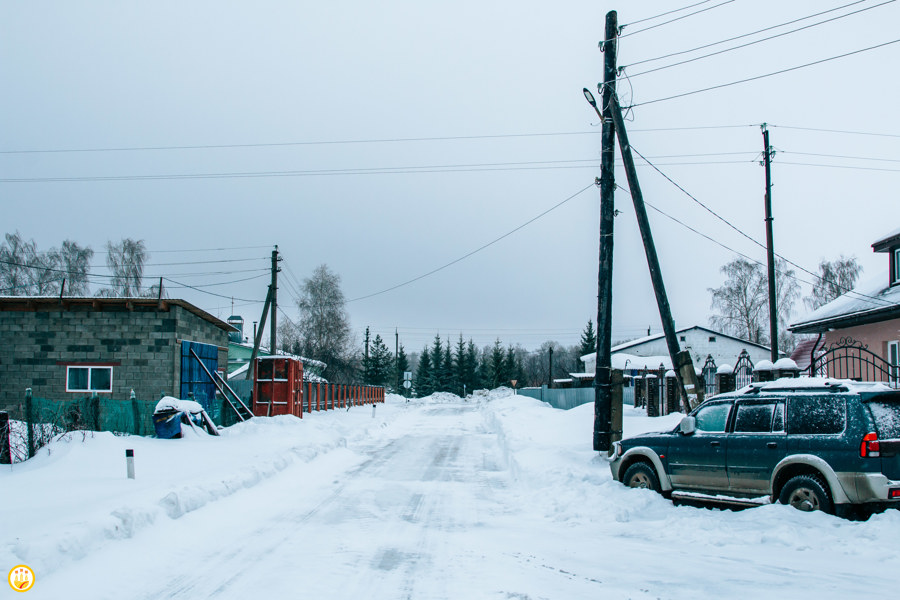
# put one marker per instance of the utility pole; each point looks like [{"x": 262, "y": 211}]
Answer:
[
  {"x": 681, "y": 361},
  {"x": 603, "y": 435},
  {"x": 397, "y": 356},
  {"x": 366, "y": 364},
  {"x": 550, "y": 376},
  {"x": 274, "y": 324},
  {"x": 770, "y": 249}
]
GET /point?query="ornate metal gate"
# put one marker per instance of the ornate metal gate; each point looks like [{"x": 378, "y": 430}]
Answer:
[
  {"x": 709, "y": 376},
  {"x": 743, "y": 370},
  {"x": 851, "y": 359}
]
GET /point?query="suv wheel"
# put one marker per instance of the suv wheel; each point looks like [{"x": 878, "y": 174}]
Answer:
[
  {"x": 642, "y": 475},
  {"x": 806, "y": 493}
]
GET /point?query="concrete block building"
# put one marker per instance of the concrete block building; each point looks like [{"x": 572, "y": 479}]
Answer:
[{"x": 73, "y": 347}]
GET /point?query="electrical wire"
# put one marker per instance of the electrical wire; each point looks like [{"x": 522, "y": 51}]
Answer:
[
  {"x": 866, "y": 297},
  {"x": 675, "y": 19},
  {"x": 738, "y": 37},
  {"x": 843, "y": 131},
  {"x": 782, "y": 71},
  {"x": 477, "y": 250},
  {"x": 766, "y": 39},
  {"x": 309, "y": 143},
  {"x": 670, "y": 12}
]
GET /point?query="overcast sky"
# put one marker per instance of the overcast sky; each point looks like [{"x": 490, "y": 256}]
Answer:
[{"x": 389, "y": 139}]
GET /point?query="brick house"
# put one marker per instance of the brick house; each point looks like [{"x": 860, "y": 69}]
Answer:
[
  {"x": 72, "y": 347},
  {"x": 868, "y": 316}
]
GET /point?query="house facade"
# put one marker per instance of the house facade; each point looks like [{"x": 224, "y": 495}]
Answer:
[
  {"x": 701, "y": 342},
  {"x": 867, "y": 318},
  {"x": 74, "y": 347}
]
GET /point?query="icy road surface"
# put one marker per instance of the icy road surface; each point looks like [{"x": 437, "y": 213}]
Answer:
[{"x": 496, "y": 499}]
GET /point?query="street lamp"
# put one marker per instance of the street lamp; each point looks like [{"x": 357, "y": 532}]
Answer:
[{"x": 590, "y": 98}]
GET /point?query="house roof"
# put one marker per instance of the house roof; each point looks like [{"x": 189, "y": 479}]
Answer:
[
  {"x": 35, "y": 303},
  {"x": 657, "y": 336},
  {"x": 804, "y": 350},
  {"x": 870, "y": 302},
  {"x": 887, "y": 242}
]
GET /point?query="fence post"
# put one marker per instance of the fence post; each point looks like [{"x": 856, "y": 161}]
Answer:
[
  {"x": 29, "y": 421},
  {"x": 318, "y": 394},
  {"x": 136, "y": 413},
  {"x": 95, "y": 411},
  {"x": 5, "y": 453}
]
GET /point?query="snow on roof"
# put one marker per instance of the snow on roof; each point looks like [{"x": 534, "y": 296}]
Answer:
[
  {"x": 871, "y": 296},
  {"x": 804, "y": 383},
  {"x": 172, "y": 403},
  {"x": 630, "y": 362},
  {"x": 783, "y": 364},
  {"x": 886, "y": 238}
]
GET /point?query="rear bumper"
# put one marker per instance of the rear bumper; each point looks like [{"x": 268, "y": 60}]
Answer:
[{"x": 864, "y": 488}]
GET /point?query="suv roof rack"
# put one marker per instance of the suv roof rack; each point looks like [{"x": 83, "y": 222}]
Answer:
[{"x": 801, "y": 384}]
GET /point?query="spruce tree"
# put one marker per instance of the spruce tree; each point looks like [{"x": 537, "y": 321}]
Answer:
[
  {"x": 380, "y": 363},
  {"x": 472, "y": 377},
  {"x": 448, "y": 381},
  {"x": 400, "y": 367},
  {"x": 588, "y": 339},
  {"x": 495, "y": 366},
  {"x": 437, "y": 364},
  {"x": 424, "y": 384}
]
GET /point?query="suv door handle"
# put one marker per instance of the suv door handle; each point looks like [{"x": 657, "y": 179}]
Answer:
[
  {"x": 771, "y": 444},
  {"x": 715, "y": 443}
]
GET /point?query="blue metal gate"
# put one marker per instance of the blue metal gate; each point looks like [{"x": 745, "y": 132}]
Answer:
[{"x": 194, "y": 381}]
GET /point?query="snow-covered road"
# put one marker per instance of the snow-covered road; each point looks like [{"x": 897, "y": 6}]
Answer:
[{"x": 495, "y": 498}]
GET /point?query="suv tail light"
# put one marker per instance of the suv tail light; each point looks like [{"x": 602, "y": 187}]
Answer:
[{"x": 869, "y": 447}]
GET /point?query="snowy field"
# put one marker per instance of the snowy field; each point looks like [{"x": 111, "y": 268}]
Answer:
[{"x": 500, "y": 497}]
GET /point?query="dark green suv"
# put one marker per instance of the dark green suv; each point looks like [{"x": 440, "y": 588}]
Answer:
[{"x": 813, "y": 443}]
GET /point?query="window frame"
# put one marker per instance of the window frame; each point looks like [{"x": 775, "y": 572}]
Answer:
[
  {"x": 895, "y": 266},
  {"x": 893, "y": 360},
  {"x": 90, "y": 369},
  {"x": 774, "y": 402}
]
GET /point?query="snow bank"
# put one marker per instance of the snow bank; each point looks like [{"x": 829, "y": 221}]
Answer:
[{"x": 73, "y": 496}]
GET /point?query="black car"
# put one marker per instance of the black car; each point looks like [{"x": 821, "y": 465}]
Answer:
[{"x": 813, "y": 443}]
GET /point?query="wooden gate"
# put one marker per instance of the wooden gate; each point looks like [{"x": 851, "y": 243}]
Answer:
[{"x": 851, "y": 359}]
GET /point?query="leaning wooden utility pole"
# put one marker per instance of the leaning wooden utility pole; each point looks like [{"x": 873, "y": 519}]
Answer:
[
  {"x": 691, "y": 390},
  {"x": 770, "y": 249},
  {"x": 603, "y": 393}
]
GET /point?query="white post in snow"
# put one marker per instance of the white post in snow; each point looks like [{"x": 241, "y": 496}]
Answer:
[
  {"x": 129, "y": 463},
  {"x": 373, "y": 410}
]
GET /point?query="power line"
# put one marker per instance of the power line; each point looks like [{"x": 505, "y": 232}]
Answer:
[
  {"x": 461, "y": 168},
  {"x": 582, "y": 163},
  {"x": 202, "y": 291},
  {"x": 820, "y": 155},
  {"x": 738, "y": 37},
  {"x": 477, "y": 250},
  {"x": 871, "y": 299},
  {"x": 766, "y": 39},
  {"x": 675, "y": 19},
  {"x": 723, "y": 85},
  {"x": 670, "y": 12},
  {"x": 307, "y": 143},
  {"x": 843, "y": 131}
]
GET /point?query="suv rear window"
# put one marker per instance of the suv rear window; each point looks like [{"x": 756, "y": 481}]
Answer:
[
  {"x": 816, "y": 415},
  {"x": 887, "y": 419}
]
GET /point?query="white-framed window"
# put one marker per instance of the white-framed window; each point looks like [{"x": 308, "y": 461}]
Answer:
[
  {"x": 895, "y": 271},
  {"x": 894, "y": 360},
  {"x": 88, "y": 378}
]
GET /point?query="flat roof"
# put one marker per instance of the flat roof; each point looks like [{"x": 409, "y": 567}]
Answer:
[{"x": 43, "y": 303}]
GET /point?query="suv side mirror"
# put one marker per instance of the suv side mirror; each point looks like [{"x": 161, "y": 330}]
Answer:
[{"x": 688, "y": 425}]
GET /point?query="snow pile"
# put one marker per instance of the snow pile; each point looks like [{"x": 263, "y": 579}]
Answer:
[
  {"x": 73, "y": 497},
  {"x": 493, "y": 496}
]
